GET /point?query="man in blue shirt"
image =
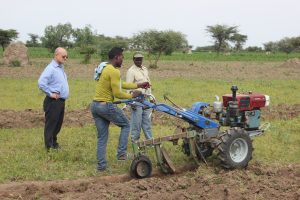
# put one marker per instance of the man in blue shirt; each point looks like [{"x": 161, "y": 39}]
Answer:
[{"x": 54, "y": 83}]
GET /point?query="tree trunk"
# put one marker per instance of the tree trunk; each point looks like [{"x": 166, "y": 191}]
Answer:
[
  {"x": 157, "y": 58},
  {"x": 149, "y": 58}
]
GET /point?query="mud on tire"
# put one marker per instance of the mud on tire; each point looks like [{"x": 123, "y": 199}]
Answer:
[{"x": 235, "y": 149}]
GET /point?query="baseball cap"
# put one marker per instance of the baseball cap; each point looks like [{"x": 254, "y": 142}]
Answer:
[{"x": 138, "y": 55}]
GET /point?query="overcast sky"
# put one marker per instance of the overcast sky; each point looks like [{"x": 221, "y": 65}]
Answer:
[{"x": 261, "y": 20}]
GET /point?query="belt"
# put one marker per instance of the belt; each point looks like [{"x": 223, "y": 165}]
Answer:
[
  {"x": 60, "y": 99},
  {"x": 101, "y": 102}
]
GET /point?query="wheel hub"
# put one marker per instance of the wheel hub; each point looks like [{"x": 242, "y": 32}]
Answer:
[
  {"x": 238, "y": 150},
  {"x": 142, "y": 169}
]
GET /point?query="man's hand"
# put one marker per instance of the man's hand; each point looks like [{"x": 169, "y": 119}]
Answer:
[
  {"x": 144, "y": 85},
  {"x": 55, "y": 95},
  {"x": 136, "y": 93}
]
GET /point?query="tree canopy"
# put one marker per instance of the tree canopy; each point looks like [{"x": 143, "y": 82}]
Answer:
[
  {"x": 155, "y": 43},
  {"x": 33, "y": 42},
  {"x": 57, "y": 36},
  {"x": 221, "y": 34},
  {"x": 105, "y": 43},
  {"x": 86, "y": 42},
  {"x": 6, "y": 36},
  {"x": 286, "y": 45},
  {"x": 239, "y": 41}
]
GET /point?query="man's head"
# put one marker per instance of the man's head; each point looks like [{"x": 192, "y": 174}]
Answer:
[
  {"x": 138, "y": 59},
  {"x": 60, "y": 55},
  {"x": 115, "y": 56}
]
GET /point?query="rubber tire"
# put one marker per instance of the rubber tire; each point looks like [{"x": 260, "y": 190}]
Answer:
[
  {"x": 137, "y": 162},
  {"x": 232, "y": 135}
]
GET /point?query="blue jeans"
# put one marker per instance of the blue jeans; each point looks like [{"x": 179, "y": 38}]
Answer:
[
  {"x": 103, "y": 114},
  {"x": 140, "y": 119}
]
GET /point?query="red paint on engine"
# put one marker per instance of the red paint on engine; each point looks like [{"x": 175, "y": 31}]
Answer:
[{"x": 248, "y": 101}]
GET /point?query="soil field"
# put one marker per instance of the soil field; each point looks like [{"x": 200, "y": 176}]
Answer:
[
  {"x": 78, "y": 118},
  {"x": 172, "y": 69},
  {"x": 256, "y": 182}
]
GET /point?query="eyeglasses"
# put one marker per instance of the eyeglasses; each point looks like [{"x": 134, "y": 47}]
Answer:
[{"x": 65, "y": 57}]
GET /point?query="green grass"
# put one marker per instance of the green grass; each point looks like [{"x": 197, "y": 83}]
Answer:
[
  {"x": 23, "y": 157},
  {"x": 37, "y": 52},
  {"x": 242, "y": 56},
  {"x": 184, "y": 92},
  {"x": 203, "y": 56},
  {"x": 280, "y": 143},
  {"x": 23, "y": 94}
]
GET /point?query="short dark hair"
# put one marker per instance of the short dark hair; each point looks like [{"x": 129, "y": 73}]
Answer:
[{"x": 115, "y": 51}]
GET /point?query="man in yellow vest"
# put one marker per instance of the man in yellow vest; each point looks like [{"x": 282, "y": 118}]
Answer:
[{"x": 108, "y": 87}]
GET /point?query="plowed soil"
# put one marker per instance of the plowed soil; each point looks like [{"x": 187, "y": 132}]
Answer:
[
  {"x": 256, "y": 182},
  {"x": 170, "y": 69}
]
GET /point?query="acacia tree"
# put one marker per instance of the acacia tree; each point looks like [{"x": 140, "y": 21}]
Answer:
[
  {"x": 57, "y": 36},
  {"x": 221, "y": 34},
  {"x": 155, "y": 43},
  {"x": 239, "y": 41},
  {"x": 6, "y": 36},
  {"x": 33, "y": 42}
]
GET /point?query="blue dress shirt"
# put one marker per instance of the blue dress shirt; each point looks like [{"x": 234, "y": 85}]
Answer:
[{"x": 54, "y": 80}]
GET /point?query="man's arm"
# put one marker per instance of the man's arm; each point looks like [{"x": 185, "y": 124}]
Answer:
[
  {"x": 44, "y": 80},
  {"x": 116, "y": 86}
]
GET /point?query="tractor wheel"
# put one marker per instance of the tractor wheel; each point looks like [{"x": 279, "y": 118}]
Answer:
[
  {"x": 141, "y": 167},
  {"x": 235, "y": 150},
  {"x": 203, "y": 148}
]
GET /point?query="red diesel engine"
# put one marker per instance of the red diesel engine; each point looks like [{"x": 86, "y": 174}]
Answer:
[
  {"x": 247, "y": 101},
  {"x": 242, "y": 110}
]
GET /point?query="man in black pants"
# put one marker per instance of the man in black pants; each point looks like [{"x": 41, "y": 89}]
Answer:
[{"x": 54, "y": 83}]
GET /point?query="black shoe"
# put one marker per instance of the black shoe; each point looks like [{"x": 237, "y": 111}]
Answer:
[
  {"x": 56, "y": 146},
  {"x": 101, "y": 170}
]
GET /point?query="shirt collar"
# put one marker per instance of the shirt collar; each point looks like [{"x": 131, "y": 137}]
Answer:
[
  {"x": 142, "y": 67},
  {"x": 55, "y": 64}
]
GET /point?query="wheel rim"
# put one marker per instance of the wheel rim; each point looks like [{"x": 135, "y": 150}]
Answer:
[
  {"x": 142, "y": 169},
  {"x": 238, "y": 150}
]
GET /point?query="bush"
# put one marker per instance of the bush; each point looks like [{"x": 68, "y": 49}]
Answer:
[
  {"x": 153, "y": 66},
  {"x": 15, "y": 63}
]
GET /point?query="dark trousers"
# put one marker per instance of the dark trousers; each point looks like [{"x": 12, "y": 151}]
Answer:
[{"x": 54, "y": 116}]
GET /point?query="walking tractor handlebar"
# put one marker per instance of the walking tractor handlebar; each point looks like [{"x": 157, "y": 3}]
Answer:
[{"x": 241, "y": 113}]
